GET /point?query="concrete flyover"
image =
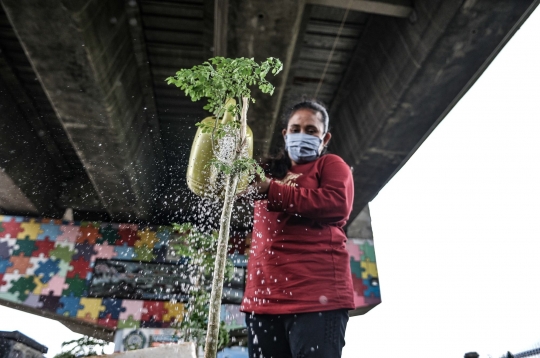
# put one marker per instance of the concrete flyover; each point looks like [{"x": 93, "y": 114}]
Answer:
[{"x": 87, "y": 121}]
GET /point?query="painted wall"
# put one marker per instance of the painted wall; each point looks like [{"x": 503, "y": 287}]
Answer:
[{"x": 47, "y": 264}]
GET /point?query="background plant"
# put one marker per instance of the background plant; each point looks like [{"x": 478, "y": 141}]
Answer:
[
  {"x": 200, "y": 248},
  {"x": 82, "y": 347}
]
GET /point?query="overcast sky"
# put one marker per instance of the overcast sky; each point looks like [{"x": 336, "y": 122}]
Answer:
[{"x": 456, "y": 230}]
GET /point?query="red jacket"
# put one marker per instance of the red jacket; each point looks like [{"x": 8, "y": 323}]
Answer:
[{"x": 298, "y": 261}]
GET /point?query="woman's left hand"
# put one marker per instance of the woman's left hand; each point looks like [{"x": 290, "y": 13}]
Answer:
[
  {"x": 257, "y": 187},
  {"x": 261, "y": 185}
]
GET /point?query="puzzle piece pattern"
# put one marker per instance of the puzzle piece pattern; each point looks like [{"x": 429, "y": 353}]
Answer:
[
  {"x": 9, "y": 279},
  {"x": 25, "y": 246},
  {"x": 22, "y": 287},
  {"x": 47, "y": 270},
  {"x": 80, "y": 268},
  {"x": 70, "y": 305},
  {"x": 364, "y": 272},
  {"x": 43, "y": 246},
  {"x": 86, "y": 251},
  {"x": 103, "y": 251},
  {"x": 109, "y": 234},
  {"x": 62, "y": 252},
  {"x": 19, "y": 264},
  {"x": 133, "y": 308},
  {"x": 70, "y": 233},
  {"x": 128, "y": 234},
  {"x": 75, "y": 286},
  {"x": 144, "y": 254},
  {"x": 148, "y": 239},
  {"x": 369, "y": 269},
  {"x": 124, "y": 252},
  {"x": 373, "y": 289},
  {"x": 33, "y": 301},
  {"x": 40, "y": 286},
  {"x": 11, "y": 228},
  {"x": 49, "y": 230},
  {"x": 108, "y": 321},
  {"x": 4, "y": 250},
  {"x": 5, "y": 265},
  {"x": 48, "y": 264},
  {"x": 88, "y": 234},
  {"x": 36, "y": 261},
  {"x": 55, "y": 286},
  {"x": 163, "y": 235},
  {"x": 153, "y": 311},
  {"x": 354, "y": 250},
  {"x": 113, "y": 308},
  {"x": 91, "y": 310},
  {"x": 175, "y": 312},
  {"x": 50, "y": 302},
  {"x": 130, "y": 322},
  {"x": 31, "y": 229}
]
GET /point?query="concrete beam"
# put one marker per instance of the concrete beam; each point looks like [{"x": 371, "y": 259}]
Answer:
[
  {"x": 360, "y": 226},
  {"x": 12, "y": 199},
  {"x": 145, "y": 79},
  {"x": 221, "y": 14},
  {"x": 29, "y": 177},
  {"x": 86, "y": 65},
  {"x": 261, "y": 31},
  {"x": 397, "y": 8},
  {"x": 29, "y": 112},
  {"x": 406, "y": 76}
]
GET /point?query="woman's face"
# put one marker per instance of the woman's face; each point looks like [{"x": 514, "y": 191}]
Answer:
[{"x": 309, "y": 122}]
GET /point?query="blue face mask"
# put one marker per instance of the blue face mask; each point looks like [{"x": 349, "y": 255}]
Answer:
[{"x": 302, "y": 148}]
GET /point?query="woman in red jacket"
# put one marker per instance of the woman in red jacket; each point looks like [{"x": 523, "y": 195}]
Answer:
[{"x": 299, "y": 287}]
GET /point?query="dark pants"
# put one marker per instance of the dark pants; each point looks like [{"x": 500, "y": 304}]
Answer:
[{"x": 301, "y": 335}]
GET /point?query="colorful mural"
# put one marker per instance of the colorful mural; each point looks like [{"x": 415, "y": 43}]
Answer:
[
  {"x": 48, "y": 264},
  {"x": 367, "y": 293}
]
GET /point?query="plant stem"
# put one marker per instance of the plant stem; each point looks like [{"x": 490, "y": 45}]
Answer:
[
  {"x": 212, "y": 335},
  {"x": 243, "y": 124}
]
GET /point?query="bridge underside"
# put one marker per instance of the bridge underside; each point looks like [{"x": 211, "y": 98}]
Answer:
[{"x": 88, "y": 123}]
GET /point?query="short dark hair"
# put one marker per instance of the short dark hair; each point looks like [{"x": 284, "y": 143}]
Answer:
[{"x": 313, "y": 105}]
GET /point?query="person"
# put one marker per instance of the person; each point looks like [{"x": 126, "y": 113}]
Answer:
[{"x": 298, "y": 285}]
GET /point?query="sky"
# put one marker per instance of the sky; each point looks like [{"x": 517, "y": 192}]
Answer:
[{"x": 456, "y": 230}]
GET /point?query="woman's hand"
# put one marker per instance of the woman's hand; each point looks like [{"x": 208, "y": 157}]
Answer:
[
  {"x": 261, "y": 185},
  {"x": 258, "y": 187}
]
